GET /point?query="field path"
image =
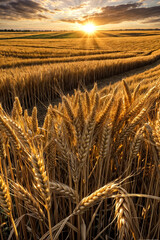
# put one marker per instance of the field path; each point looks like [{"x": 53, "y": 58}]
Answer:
[
  {"x": 119, "y": 77},
  {"x": 42, "y": 107}
]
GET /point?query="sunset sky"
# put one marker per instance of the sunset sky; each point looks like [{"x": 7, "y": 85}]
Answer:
[{"x": 71, "y": 14}]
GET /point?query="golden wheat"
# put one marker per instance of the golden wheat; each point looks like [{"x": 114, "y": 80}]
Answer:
[{"x": 71, "y": 161}]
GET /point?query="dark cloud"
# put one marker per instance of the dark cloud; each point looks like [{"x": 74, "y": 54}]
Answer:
[
  {"x": 21, "y": 9},
  {"x": 120, "y": 13}
]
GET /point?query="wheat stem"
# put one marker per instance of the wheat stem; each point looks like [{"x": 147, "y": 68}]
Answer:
[
  {"x": 49, "y": 222},
  {"x": 14, "y": 226}
]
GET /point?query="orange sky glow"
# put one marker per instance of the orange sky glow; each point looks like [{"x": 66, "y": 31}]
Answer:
[{"x": 73, "y": 14}]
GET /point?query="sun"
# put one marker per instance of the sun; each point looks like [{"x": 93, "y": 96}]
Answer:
[{"x": 89, "y": 28}]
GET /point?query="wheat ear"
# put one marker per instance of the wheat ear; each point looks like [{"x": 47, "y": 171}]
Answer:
[
  {"x": 19, "y": 132},
  {"x": 153, "y": 137},
  {"x": 102, "y": 118},
  {"x": 42, "y": 184},
  {"x": 128, "y": 92},
  {"x": 1, "y": 109},
  {"x": 93, "y": 91},
  {"x": 104, "y": 153},
  {"x": 156, "y": 140},
  {"x": 75, "y": 99},
  {"x": 101, "y": 193},
  {"x": 136, "y": 143},
  {"x": 5, "y": 127},
  {"x": 117, "y": 114},
  {"x": 5, "y": 202},
  {"x": 51, "y": 148},
  {"x": 88, "y": 131},
  {"x": 64, "y": 190},
  {"x": 34, "y": 120},
  {"x": 30, "y": 202},
  {"x": 80, "y": 114},
  {"x": 14, "y": 112},
  {"x": 105, "y": 142},
  {"x": 133, "y": 111},
  {"x": 73, "y": 119},
  {"x": 11, "y": 134},
  {"x": 2, "y": 147},
  {"x": 136, "y": 90},
  {"x": 125, "y": 212},
  {"x": 87, "y": 101},
  {"x": 132, "y": 125},
  {"x": 26, "y": 121},
  {"x": 41, "y": 178},
  {"x": 5, "y": 199},
  {"x": 62, "y": 145},
  {"x": 18, "y": 106},
  {"x": 68, "y": 109}
]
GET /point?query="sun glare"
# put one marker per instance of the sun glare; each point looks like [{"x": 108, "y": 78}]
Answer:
[{"x": 89, "y": 28}]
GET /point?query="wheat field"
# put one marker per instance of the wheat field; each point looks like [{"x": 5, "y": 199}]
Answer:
[
  {"x": 91, "y": 168},
  {"x": 31, "y": 62}
]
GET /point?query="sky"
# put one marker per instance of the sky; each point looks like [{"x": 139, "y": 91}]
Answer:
[{"x": 72, "y": 14}]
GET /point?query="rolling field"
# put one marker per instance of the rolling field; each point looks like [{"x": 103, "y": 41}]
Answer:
[
  {"x": 35, "y": 61},
  {"x": 87, "y": 167}
]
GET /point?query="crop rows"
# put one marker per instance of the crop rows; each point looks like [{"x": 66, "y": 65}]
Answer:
[{"x": 41, "y": 83}]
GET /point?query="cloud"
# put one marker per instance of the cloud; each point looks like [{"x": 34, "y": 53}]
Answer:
[
  {"x": 120, "y": 13},
  {"x": 22, "y": 9},
  {"x": 82, "y": 5},
  {"x": 141, "y": 1},
  {"x": 153, "y": 20},
  {"x": 113, "y": 1},
  {"x": 57, "y": 10}
]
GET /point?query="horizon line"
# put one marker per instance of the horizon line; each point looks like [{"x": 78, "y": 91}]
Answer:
[{"x": 49, "y": 30}]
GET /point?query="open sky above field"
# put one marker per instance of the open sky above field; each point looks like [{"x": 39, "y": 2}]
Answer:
[{"x": 72, "y": 14}]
